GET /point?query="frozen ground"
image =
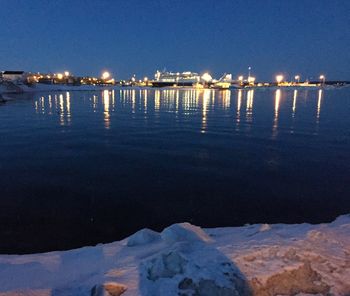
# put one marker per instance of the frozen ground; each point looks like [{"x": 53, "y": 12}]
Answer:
[{"x": 184, "y": 259}]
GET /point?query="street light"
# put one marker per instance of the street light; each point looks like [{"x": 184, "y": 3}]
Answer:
[
  {"x": 279, "y": 78},
  {"x": 251, "y": 80},
  {"x": 59, "y": 76},
  {"x": 297, "y": 78},
  {"x": 66, "y": 73},
  {"x": 322, "y": 78},
  {"x": 105, "y": 75}
]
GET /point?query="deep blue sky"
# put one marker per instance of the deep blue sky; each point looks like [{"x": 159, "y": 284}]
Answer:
[{"x": 127, "y": 37}]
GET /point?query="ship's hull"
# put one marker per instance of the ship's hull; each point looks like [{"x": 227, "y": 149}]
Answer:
[
  {"x": 167, "y": 83},
  {"x": 162, "y": 84}
]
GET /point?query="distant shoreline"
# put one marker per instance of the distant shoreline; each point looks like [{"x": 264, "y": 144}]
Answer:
[{"x": 62, "y": 87}]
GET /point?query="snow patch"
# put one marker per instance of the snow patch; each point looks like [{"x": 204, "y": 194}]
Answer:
[
  {"x": 264, "y": 227},
  {"x": 108, "y": 289},
  {"x": 184, "y": 232},
  {"x": 143, "y": 237},
  {"x": 186, "y": 260}
]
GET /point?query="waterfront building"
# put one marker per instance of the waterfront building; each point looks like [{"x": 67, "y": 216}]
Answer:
[{"x": 16, "y": 77}]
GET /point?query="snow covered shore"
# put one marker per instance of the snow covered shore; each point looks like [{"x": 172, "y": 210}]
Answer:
[{"x": 184, "y": 259}]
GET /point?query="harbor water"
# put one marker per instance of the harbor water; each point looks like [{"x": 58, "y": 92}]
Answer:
[{"x": 81, "y": 168}]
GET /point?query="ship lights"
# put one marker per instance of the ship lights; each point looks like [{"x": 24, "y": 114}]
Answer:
[{"x": 207, "y": 77}]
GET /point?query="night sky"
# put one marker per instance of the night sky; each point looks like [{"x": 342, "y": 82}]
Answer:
[{"x": 126, "y": 37}]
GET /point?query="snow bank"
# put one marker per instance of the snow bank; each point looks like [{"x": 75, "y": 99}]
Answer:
[{"x": 184, "y": 260}]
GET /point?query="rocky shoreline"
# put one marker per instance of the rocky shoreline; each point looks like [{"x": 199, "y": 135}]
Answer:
[{"x": 183, "y": 259}]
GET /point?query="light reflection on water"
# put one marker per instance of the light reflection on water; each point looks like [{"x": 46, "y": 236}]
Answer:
[
  {"x": 105, "y": 97},
  {"x": 249, "y": 109},
  {"x": 181, "y": 102},
  {"x": 275, "y": 119},
  {"x": 295, "y": 95},
  {"x": 320, "y": 93},
  {"x": 136, "y": 158}
]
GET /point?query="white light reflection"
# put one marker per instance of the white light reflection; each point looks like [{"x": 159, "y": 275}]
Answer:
[
  {"x": 42, "y": 103},
  {"x": 198, "y": 95},
  {"x": 177, "y": 98},
  {"x": 133, "y": 100},
  {"x": 212, "y": 97},
  {"x": 122, "y": 97},
  {"x": 157, "y": 100},
  {"x": 295, "y": 95},
  {"x": 319, "y": 101},
  {"x": 239, "y": 102},
  {"x": 226, "y": 95},
  {"x": 50, "y": 103},
  {"x": 61, "y": 104},
  {"x": 238, "y": 113},
  {"x": 94, "y": 103},
  {"x": 172, "y": 102},
  {"x": 249, "y": 110},
  {"x": 189, "y": 100},
  {"x": 168, "y": 101},
  {"x": 139, "y": 99},
  {"x": 145, "y": 97},
  {"x": 186, "y": 102},
  {"x": 205, "y": 107},
  {"x": 68, "y": 107},
  {"x": 113, "y": 99},
  {"x": 277, "y": 106},
  {"x": 106, "y": 114},
  {"x": 56, "y": 102}
]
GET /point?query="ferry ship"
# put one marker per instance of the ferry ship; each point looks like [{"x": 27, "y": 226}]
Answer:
[{"x": 163, "y": 79}]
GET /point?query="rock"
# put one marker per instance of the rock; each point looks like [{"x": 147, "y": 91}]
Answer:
[
  {"x": 184, "y": 232},
  {"x": 186, "y": 273},
  {"x": 208, "y": 287},
  {"x": 166, "y": 266},
  {"x": 291, "y": 282},
  {"x": 143, "y": 237},
  {"x": 108, "y": 289},
  {"x": 187, "y": 284}
]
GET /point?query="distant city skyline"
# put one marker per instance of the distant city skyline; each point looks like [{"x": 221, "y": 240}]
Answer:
[{"x": 306, "y": 38}]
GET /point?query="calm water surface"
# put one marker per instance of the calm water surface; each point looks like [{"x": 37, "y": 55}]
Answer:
[{"x": 80, "y": 168}]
